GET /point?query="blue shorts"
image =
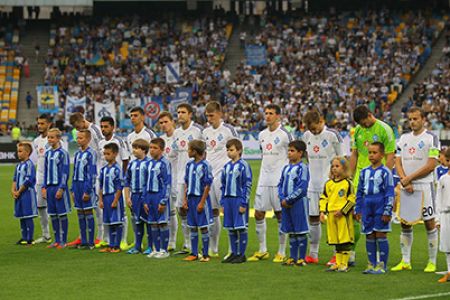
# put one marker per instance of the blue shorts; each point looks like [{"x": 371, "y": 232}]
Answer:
[
  {"x": 196, "y": 219},
  {"x": 232, "y": 218},
  {"x": 26, "y": 205},
  {"x": 112, "y": 216},
  {"x": 372, "y": 211},
  {"x": 136, "y": 207},
  {"x": 77, "y": 189},
  {"x": 154, "y": 217},
  {"x": 58, "y": 207},
  {"x": 294, "y": 220}
]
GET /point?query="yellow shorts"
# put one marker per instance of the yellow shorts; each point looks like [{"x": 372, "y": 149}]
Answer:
[{"x": 340, "y": 230}]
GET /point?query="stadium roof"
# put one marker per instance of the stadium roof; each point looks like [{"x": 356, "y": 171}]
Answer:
[{"x": 46, "y": 2}]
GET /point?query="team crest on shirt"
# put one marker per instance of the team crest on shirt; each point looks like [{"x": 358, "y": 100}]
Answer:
[
  {"x": 421, "y": 144},
  {"x": 341, "y": 193},
  {"x": 324, "y": 143},
  {"x": 269, "y": 146},
  {"x": 375, "y": 138},
  {"x": 412, "y": 150},
  {"x": 190, "y": 137},
  {"x": 316, "y": 148},
  {"x": 220, "y": 137},
  {"x": 277, "y": 140}
]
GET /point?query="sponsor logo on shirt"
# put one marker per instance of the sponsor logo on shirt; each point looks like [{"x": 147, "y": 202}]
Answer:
[
  {"x": 316, "y": 148},
  {"x": 269, "y": 146},
  {"x": 412, "y": 150}
]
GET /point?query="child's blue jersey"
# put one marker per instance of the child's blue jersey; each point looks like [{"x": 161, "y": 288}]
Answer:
[
  {"x": 440, "y": 171},
  {"x": 25, "y": 174},
  {"x": 197, "y": 177},
  {"x": 111, "y": 179},
  {"x": 85, "y": 168},
  {"x": 237, "y": 180},
  {"x": 376, "y": 183},
  {"x": 293, "y": 183},
  {"x": 159, "y": 178},
  {"x": 56, "y": 168},
  {"x": 135, "y": 177}
]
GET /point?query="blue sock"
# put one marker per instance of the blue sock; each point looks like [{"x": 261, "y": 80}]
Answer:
[
  {"x": 119, "y": 235},
  {"x": 233, "y": 241},
  {"x": 293, "y": 247},
  {"x": 150, "y": 241},
  {"x": 82, "y": 225},
  {"x": 302, "y": 245},
  {"x": 194, "y": 242},
  {"x": 243, "y": 239},
  {"x": 30, "y": 228},
  {"x": 112, "y": 235},
  {"x": 91, "y": 228},
  {"x": 139, "y": 235},
  {"x": 64, "y": 228},
  {"x": 156, "y": 238},
  {"x": 23, "y": 229},
  {"x": 56, "y": 229},
  {"x": 164, "y": 237},
  {"x": 371, "y": 248},
  {"x": 383, "y": 247},
  {"x": 205, "y": 243}
]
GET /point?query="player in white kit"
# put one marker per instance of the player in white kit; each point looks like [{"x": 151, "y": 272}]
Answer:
[
  {"x": 274, "y": 142},
  {"x": 40, "y": 145},
  {"x": 78, "y": 121},
  {"x": 187, "y": 132},
  {"x": 416, "y": 159},
  {"x": 107, "y": 126},
  {"x": 322, "y": 145},
  {"x": 216, "y": 135},
  {"x": 167, "y": 125},
  {"x": 137, "y": 117}
]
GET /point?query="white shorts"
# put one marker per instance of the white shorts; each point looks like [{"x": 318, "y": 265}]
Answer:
[
  {"x": 180, "y": 195},
  {"x": 215, "y": 193},
  {"x": 173, "y": 200},
  {"x": 444, "y": 242},
  {"x": 267, "y": 199},
  {"x": 41, "y": 202},
  {"x": 314, "y": 198},
  {"x": 429, "y": 195}
]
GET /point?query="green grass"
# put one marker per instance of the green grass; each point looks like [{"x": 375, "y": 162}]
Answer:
[{"x": 37, "y": 272}]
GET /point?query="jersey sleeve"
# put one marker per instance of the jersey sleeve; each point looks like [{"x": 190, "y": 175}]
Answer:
[
  {"x": 398, "y": 151},
  {"x": 208, "y": 177},
  {"x": 338, "y": 144},
  {"x": 166, "y": 179},
  {"x": 433, "y": 152},
  {"x": 280, "y": 185},
  {"x": 101, "y": 178},
  {"x": 389, "y": 193},
  {"x": 117, "y": 180},
  {"x": 30, "y": 175},
  {"x": 360, "y": 193},
  {"x": 247, "y": 184},
  {"x": 351, "y": 199},
  {"x": 323, "y": 201},
  {"x": 124, "y": 150},
  {"x": 64, "y": 169},
  {"x": 389, "y": 139},
  {"x": 354, "y": 145},
  {"x": 44, "y": 184},
  {"x": 91, "y": 173}
]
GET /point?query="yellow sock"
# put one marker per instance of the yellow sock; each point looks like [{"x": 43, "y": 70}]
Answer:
[
  {"x": 345, "y": 257},
  {"x": 338, "y": 258}
]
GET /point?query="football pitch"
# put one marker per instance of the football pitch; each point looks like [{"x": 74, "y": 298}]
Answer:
[{"x": 39, "y": 273}]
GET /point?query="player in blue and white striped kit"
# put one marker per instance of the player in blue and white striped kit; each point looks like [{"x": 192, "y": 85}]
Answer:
[
  {"x": 111, "y": 197},
  {"x": 156, "y": 198},
  {"x": 135, "y": 180},
  {"x": 83, "y": 188},
  {"x": 292, "y": 191},
  {"x": 22, "y": 190},
  {"x": 442, "y": 168},
  {"x": 374, "y": 202},
  {"x": 55, "y": 189},
  {"x": 198, "y": 178},
  {"x": 236, "y": 186}
]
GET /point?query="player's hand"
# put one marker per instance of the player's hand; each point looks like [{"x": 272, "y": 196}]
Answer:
[
  {"x": 100, "y": 204},
  {"x": 59, "y": 194},
  {"x": 44, "y": 193},
  {"x": 409, "y": 188},
  {"x": 146, "y": 209},
  {"x": 114, "y": 204},
  {"x": 405, "y": 181},
  {"x": 16, "y": 195},
  {"x": 242, "y": 209},
  {"x": 386, "y": 219},
  {"x": 358, "y": 217},
  {"x": 338, "y": 214},
  {"x": 285, "y": 204},
  {"x": 185, "y": 205},
  {"x": 128, "y": 200},
  {"x": 200, "y": 207},
  {"x": 323, "y": 218},
  {"x": 86, "y": 197},
  {"x": 161, "y": 208},
  {"x": 438, "y": 226}
]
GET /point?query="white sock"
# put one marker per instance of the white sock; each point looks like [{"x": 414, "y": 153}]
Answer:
[
  {"x": 282, "y": 237},
  {"x": 173, "y": 228},
  {"x": 316, "y": 233},
  {"x": 106, "y": 233},
  {"x": 448, "y": 261},
  {"x": 43, "y": 218},
  {"x": 214, "y": 235},
  {"x": 99, "y": 215},
  {"x": 406, "y": 240},
  {"x": 352, "y": 256},
  {"x": 261, "y": 228},
  {"x": 432, "y": 236},
  {"x": 125, "y": 230},
  {"x": 186, "y": 232}
]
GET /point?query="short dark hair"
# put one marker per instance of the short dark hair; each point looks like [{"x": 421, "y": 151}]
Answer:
[
  {"x": 414, "y": 109},
  {"x": 141, "y": 144},
  {"x": 275, "y": 107},
  {"x": 138, "y": 109},
  {"x": 112, "y": 146},
  {"x": 160, "y": 142},
  {"x": 46, "y": 117},
  {"x": 298, "y": 145},
  {"x": 187, "y": 106},
  {"x": 108, "y": 119},
  {"x": 379, "y": 144},
  {"x": 236, "y": 143},
  {"x": 198, "y": 146},
  {"x": 360, "y": 113},
  {"x": 447, "y": 153}
]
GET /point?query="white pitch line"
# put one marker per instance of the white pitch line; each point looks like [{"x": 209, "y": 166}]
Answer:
[{"x": 424, "y": 296}]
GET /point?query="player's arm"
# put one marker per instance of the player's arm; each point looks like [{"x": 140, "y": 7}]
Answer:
[
  {"x": 201, "y": 205},
  {"x": 323, "y": 203},
  {"x": 247, "y": 188},
  {"x": 351, "y": 199},
  {"x": 91, "y": 170},
  {"x": 438, "y": 203},
  {"x": 338, "y": 144},
  {"x": 125, "y": 154},
  {"x": 166, "y": 183},
  {"x": 126, "y": 189},
  {"x": 186, "y": 182},
  {"x": 353, "y": 161},
  {"x": 280, "y": 186},
  {"x": 424, "y": 171},
  {"x": 207, "y": 181},
  {"x": 359, "y": 196},
  {"x": 389, "y": 195},
  {"x": 64, "y": 170},
  {"x": 13, "y": 190},
  {"x": 390, "y": 147},
  {"x": 44, "y": 184},
  {"x": 301, "y": 186},
  {"x": 222, "y": 185},
  {"x": 100, "y": 193}
]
